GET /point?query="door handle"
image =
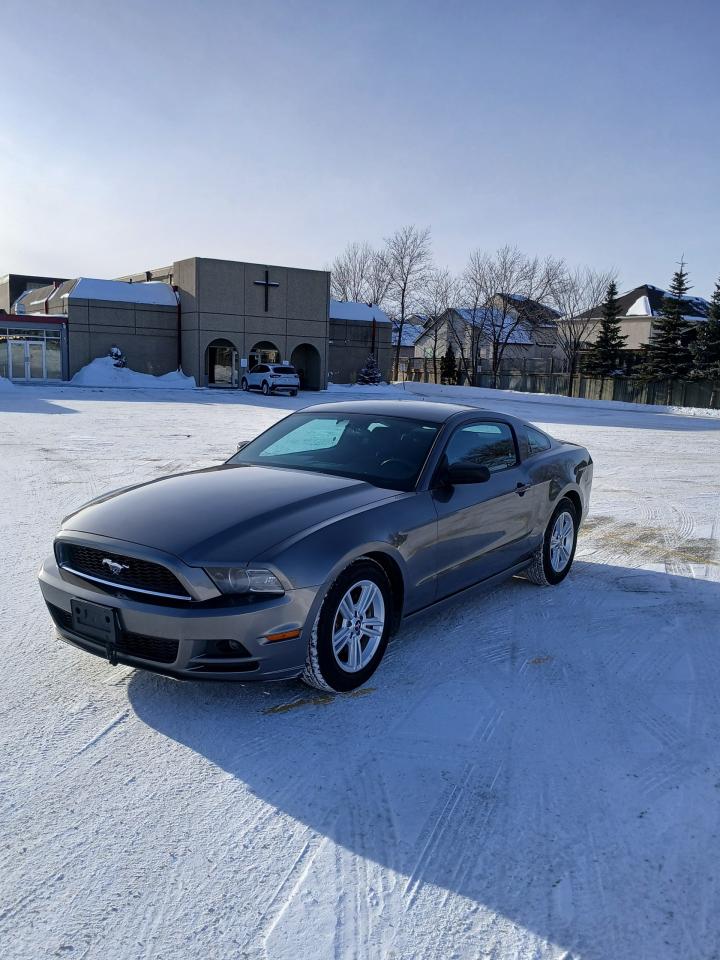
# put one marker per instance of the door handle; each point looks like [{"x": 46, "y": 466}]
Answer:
[{"x": 522, "y": 488}]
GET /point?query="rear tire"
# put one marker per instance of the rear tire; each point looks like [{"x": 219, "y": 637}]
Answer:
[
  {"x": 552, "y": 560},
  {"x": 352, "y": 629},
  {"x": 265, "y": 388},
  {"x": 293, "y": 393}
]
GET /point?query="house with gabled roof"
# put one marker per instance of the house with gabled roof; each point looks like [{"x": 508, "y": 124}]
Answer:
[
  {"x": 527, "y": 328},
  {"x": 639, "y": 309}
]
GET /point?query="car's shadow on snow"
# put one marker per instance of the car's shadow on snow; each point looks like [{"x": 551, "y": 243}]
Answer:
[{"x": 550, "y": 754}]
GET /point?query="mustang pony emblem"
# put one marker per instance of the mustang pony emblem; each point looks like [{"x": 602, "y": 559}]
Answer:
[{"x": 114, "y": 567}]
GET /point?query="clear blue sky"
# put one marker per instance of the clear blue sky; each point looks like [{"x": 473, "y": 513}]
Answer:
[{"x": 136, "y": 133}]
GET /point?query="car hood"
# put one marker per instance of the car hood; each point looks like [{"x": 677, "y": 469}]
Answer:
[{"x": 226, "y": 514}]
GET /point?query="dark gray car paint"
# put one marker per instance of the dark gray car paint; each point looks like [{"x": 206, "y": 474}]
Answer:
[{"x": 307, "y": 527}]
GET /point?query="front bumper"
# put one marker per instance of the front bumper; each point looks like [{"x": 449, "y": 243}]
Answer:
[{"x": 190, "y": 641}]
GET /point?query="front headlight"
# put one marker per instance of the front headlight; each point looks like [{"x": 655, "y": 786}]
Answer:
[{"x": 242, "y": 580}]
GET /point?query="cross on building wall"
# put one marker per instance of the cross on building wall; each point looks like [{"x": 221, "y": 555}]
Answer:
[{"x": 267, "y": 283}]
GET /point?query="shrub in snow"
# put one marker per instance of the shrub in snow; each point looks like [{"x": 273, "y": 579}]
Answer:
[
  {"x": 118, "y": 357},
  {"x": 370, "y": 373}
]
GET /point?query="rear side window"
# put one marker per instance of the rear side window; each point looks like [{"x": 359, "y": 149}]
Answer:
[
  {"x": 489, "y": 444},
  {"x": 537, "y": 442}
]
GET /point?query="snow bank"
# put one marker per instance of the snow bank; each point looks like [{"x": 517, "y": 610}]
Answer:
[
  {"x": 6, "y": 384},
  {"x": 102, "y": 372},
  {"x": 383, "y": 389},
  {"x": 432, "y": 390}
]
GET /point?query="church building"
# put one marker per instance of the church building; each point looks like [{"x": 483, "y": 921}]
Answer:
[{"x": 212, "y": 318}]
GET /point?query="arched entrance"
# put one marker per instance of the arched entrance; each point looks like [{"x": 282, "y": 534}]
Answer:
[
  {"x": 263, "y": 352},
  {"x": 306, "y": 360},
  {"x": 221, "y": 364}
]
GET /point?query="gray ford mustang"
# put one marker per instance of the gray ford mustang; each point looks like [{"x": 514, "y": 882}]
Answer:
[{"x": 301, "y": 555}]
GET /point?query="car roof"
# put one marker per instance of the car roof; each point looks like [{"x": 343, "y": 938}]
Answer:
[{"x": 411, "y": 409}]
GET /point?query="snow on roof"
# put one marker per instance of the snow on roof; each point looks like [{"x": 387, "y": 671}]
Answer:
[
  {"x": 153, "y": 292},
  {"x": 697, "y": 306},
  {"x": 496, "y": 321},
  {"x": 363, "y": 312},
  {"x": 410, "y": 334},
  {"x": 641, "y": 308}
]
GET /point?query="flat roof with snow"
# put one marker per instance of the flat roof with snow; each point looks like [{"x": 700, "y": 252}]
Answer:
[
  {"x": 152, "y": 292},
  {"x": 362, "y": 312}
]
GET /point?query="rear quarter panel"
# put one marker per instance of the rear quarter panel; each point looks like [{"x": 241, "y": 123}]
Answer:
[{"x": 565, "y": 469}]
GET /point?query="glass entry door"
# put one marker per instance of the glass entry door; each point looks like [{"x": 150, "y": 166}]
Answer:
[
  {"x": 31, "y": 355},
  {"x": 27, "y": 360},
  {"x": 17, "y": 359},
  {"x": 35, "y": 360}
]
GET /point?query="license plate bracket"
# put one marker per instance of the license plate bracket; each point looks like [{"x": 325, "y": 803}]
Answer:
[{"x": 94, "y": 621}]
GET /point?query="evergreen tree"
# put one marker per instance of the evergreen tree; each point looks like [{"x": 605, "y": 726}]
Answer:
[
  {"x": 370, "y": 373},
  {"x": 667, "y": 355},
  {"x": 448, "y": 366},
  {"x": 603, "y": 358},
  {"x": 706, "y": 349}
]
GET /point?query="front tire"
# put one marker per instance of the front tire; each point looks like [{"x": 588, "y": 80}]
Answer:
[
  {"x": 244, "y": 385},
  {"x": 265, "y": 388},
  {"x": 553, "y": 558},
  {"x": 352, "y": 630}
]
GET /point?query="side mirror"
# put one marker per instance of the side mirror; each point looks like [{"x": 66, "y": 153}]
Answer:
[
  {"x": 466, "y": 471},
  {"x": 243, "y": 443}
]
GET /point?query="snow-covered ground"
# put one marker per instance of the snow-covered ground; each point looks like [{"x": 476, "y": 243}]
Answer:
[{"x": 530, "y": 774}]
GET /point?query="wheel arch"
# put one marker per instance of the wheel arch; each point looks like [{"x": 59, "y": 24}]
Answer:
[
  {"x": 574, "y": 497},
  {"x": 393, "y": 572}
]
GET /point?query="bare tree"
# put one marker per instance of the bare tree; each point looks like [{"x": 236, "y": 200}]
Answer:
[
  {"x": 575, "y": 294},
  {"x": 378, "y": 281},
  {"x": 435, "y": 302},
  {"x": 408, "y": 257},
  {"x": 350, "y": 272},
  {"x": 360, "y": 274},
  {"x": 504, "y": 294}
]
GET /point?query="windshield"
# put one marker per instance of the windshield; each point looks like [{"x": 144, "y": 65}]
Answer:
[{"x": 384, "y": 451}]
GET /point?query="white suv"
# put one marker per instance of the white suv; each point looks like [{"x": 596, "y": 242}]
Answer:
[{"x": 272, "y": 377}]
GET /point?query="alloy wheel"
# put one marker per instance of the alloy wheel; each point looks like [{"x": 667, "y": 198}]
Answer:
[
  {"x": 358, "y": 626},
  {"x": 561, "y": 541}
]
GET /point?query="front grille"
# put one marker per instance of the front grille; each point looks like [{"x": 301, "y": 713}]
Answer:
[{"x": 140, "y": 574}]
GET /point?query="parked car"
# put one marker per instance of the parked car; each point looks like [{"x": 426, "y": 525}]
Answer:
[
  {"x": 271, "y": 378},
  {"x": 302, "y": 554}
]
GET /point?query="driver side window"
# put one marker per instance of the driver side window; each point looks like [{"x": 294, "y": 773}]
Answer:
[{"x": 491, "y": 445}]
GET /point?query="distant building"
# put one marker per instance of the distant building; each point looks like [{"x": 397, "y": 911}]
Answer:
[
  {"x": 412, "y": 330},
  {"x": 213, "y": 318},
  {"x": 527, "y": 327},
  {"x": 352, "y": 326},
  {"x": 13, "y": 285},
  {"x": 639, "y": 308}
]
